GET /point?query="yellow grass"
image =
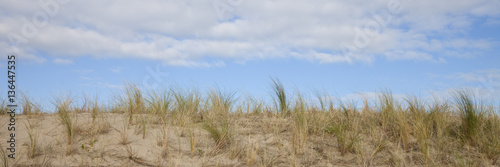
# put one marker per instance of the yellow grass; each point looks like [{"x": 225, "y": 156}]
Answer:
[{"x": 217, "y": 130}]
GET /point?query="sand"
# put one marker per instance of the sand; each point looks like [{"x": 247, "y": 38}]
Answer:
[{"x": 254, "y": 144}]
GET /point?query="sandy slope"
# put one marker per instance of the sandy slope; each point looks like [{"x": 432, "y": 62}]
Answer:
[
  {"x": 258, "y": 141},
  {"x": 254, "y": 144}
]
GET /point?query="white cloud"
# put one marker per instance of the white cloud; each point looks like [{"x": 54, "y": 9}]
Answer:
[
  {"x": 63, "y": 61},
  {"x": 116, "y": 70},
  {"x": 480, "y": 93},
  {"x": 189, "y": 33},
  {"x": 479, "y": 75},
  {"x": 486, "y": 81}
]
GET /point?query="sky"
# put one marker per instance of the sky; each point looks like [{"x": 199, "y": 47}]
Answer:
[{"x": 344, "y": 47}]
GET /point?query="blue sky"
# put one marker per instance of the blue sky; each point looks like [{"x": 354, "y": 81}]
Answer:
[{"x": 344, "y": 47}]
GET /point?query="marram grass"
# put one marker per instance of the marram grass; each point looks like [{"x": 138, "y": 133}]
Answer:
[{"x": 219, "y": 128}]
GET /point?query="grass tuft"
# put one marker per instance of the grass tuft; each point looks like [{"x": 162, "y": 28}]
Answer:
[
  {"x": 470, "y": 112},
  {"x": 192, "y": 139},
  {"x": 489, "y": 141},
  {"x": 221, "y": 133},
  {"x": 29, "y": 106},
  {"x": 159, "y": 104},
  {"x": 3, "y": 106},
  {"x": 280, "y": 99},
  {"x": 124, "y": 134},
  {"x": 421, "y": 125},
  {"x": 220, "y": 103},
  {"x": 345, "y": 128},
  {"x": 300, "y": 126},
  {"x": 133, "y": 100},
  {"x": 388, "y": 111},
  {"x": 297, "y": 131},
  {"x": 34, "y": 149},
  {"x": 187, "y": 104},
  {"x": 63, "y": 106}
]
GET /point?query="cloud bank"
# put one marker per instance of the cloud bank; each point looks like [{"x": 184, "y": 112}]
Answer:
[{"x": 192, "y": 33}]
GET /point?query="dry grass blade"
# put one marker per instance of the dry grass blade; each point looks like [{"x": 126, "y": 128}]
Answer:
[
  {"x": 192, "y": 139},
  {"x": 3, "y": 107},
  {"x": 33, "y": 147},
  {"x": 300, "y": 126},
  {"x": 132, "y": 155},
  {"x": 133, "y": 100},
  {"x": 29, "y": 106},
  {"x": 144, "y": 123},
  {"x": 124, "y": 134},
  {"x": 4, "y": 156}
]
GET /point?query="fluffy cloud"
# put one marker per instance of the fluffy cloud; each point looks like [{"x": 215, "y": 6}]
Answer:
[{"x": 190, "y": 33}]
